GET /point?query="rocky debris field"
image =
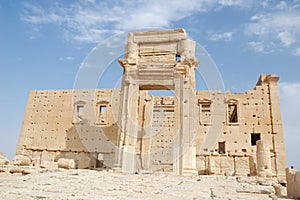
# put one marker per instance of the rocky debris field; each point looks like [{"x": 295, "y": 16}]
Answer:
[{"x": 93, "y": 184}]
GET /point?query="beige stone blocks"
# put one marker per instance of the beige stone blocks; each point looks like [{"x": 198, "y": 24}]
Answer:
[
  {"x": 66, "y": 163},
  {"x": 152, "y": 132},
  {"x": 47, "y": 156},
  {"x": 263, "y": 159},
  {"x": 189, "y": 161},
  {"x": 241, "y": 164},
  {"x": 3, "y": 160},
  {"x": 84, "y": 162},
  {"x": 293, "y": 183},
  {"x": 128, "y": 162},
  {"x": 21, "y": 160},
  {"x": 49, "y": 164}
]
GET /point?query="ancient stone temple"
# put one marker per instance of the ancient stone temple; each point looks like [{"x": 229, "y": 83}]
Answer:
[{"x": 127, "y": 129}]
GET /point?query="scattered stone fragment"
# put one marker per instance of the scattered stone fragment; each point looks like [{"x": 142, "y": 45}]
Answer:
[
  {"x": 3, "y": 160},
  {"x": 66, "y": 163},
  {"x": 21, "y": 160}
]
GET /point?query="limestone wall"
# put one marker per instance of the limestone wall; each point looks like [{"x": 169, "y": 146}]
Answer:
[
  {"x": 82, "y": 125},
  {"x": 68, "y": 123},
  {"x": 257, "y": 118}
]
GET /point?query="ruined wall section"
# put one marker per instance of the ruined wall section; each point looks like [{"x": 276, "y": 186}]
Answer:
[
  {"x": 293, "y": 183},
  {"x": 77, "y": 124},
  {"x": 250, "y": 117},
  {"x": 82, "y": 125}
]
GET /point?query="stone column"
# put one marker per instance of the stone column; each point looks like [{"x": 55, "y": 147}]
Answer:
[
  {"x": 121, "y": 124},
  {"x": 177, "y": 150},
  {"x": 131, "y": 129},
  {"x": 263, "y": 159},
  {"x": 184, "y": 150},
  {"x": 128, "y": 127}
]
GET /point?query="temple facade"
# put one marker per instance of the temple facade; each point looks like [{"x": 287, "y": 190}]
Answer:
[{"x": 127, "y": 129}]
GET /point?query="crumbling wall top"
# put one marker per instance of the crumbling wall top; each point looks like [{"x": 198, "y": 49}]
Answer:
[
  {"x": 267, "y": 78},
  {"x": 157, "y": 36}
]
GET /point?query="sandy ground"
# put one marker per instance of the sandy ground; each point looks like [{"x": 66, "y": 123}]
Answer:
[{"x": 91, "y": 184}]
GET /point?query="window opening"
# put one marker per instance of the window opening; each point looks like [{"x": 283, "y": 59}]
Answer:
[
  {"x": 178, "y": 58},
  {"x": 254, "y": 137},
  {"x": 232, "y": 113},
  {"x": 222, "y": 147},
  {"x": 103, "y": 109},
  {"x": 80, "y": 110},
  {"x": 102, "y": 114},
  {"x": 205, "y": 112}
]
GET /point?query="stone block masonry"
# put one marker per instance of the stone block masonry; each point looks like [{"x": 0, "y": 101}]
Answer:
[{"x": 128, "y": 129}]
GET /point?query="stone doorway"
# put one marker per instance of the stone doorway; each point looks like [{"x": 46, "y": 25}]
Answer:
[{"x": 157, "y": 60}]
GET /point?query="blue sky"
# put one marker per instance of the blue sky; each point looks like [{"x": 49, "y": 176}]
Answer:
[{"x": 43, "y": 43}]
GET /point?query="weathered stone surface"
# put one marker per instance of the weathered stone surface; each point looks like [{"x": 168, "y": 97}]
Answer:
[
  {"x": 280, "y": 191},
  {"x": 66, "y": 163},
  {"x": 3, "y": 160},
  {"x": 22, "y": 170},
  {"x": 3, "y": 168},
  {"x": 241, "y": 166},
  {"x": 84, "y": 162},
  {"x": 49, "y": 165},
  {"x": 257, "y": 190},
  {"x": 47, "y": 156},
  {"x": 266, "y": 182},
  {"x": 21, "y": 160},
  {"x": 90, "y": 184},
  {"x": 293, "y": 183},
  {"x": 110, "y": 122},
  {"x": 263, "y": 159}
]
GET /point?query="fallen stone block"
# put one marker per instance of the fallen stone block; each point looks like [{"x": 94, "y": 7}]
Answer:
[
  {"x": 3, "y": 168},
  {"x": 66, "y": 163},
  {"x": 265, "y": 182},
  {"x": 29, "y": 170},
  {"x": 21, "y": 160},
  {"x": 3, "y": 160},
  {"x": 280, "y": 190},
  {"x": 16, "y": 169},
  {"x": 84, "y": 162},
  {"x": 49, "y": 165},
  {"x": 257, "y": 190}
]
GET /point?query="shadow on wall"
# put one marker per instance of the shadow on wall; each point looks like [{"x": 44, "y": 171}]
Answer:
[{"x": 90, "y": 146}]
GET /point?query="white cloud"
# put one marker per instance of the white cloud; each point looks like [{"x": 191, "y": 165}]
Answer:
[
  {"x": 282, "y": 5},
  {"x": 230, "y": 2},
  {"x": 296, "y": 52},
  {"x": 290, "y": 108},
  {"x": 93, "y": 20},
  {"x": 243, "y": 4},
  {"x": 90, "y": 21},
  {"x": 275, "y": 30},
  {"x": 286, "y": 38},
  {"x": 226, "y": 36},
  {"x": 40, "y": 16},
  {"x": 66, "y": 58},
  {"x": 257, "y": 46}
]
